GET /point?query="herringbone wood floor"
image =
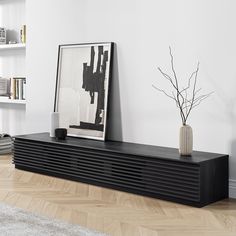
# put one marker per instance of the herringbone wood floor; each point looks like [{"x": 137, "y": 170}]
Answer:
[{"x": 109, "y": 211}]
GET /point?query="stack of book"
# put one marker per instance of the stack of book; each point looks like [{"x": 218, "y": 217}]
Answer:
[
  {"x": 13, "y": 88},
  {"x": 5, "y": 144},
  {"x": 17, "y": 88}
]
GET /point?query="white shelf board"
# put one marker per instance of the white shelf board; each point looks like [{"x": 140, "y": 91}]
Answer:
[
  {"x": 12, "y": 46},
  {"x": 12, "y": 101}
]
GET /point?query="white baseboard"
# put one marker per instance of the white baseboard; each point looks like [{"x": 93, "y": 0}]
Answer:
[{"x": 232, "y": 188}]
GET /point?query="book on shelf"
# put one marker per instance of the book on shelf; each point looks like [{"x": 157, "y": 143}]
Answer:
[
  {"x": 13, "y": 88},
  {"x": 4, "y": 87},
  {"x": 23, "y": 34},
  {"x": 18, "y": 88},
  {"x": 3, "y": 35}
]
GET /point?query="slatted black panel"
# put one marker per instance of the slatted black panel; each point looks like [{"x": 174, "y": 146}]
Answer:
[
  {"x": 160, "y": 177},
  {"x": 142, "y": 169}
]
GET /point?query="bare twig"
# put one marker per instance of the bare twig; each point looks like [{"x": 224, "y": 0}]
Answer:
[
  {"x": 196, "y": 100},
  {"x": 168, "y": 78},
  {"x": 172, "y": 67},
  {"x": 194, "y": 92},
  {"x": 163, "y": 91},
  {"x": 175, "y": 99},
  {"x": 202, "y": 97},
  {"x": 181, "y": 97},
  {"x": 189, "y": 82},
  {"x": 185, "y": 102},
  {"x": 200, "y": 100}
]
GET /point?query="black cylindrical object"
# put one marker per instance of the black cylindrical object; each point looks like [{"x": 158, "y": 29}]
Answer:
[{"x": 60, "y": 133}]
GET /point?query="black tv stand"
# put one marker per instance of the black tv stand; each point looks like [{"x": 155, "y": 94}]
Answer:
[{"x": 142, "y": 169}]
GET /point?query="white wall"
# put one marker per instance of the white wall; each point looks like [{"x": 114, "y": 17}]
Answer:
[{"x": 196, "y": 29}]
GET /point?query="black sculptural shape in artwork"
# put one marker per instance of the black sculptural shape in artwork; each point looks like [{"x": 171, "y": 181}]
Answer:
[{"x": 94, "y": 82}]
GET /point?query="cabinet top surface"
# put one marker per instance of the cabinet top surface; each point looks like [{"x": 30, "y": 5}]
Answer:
[{"x": 124, "y": 147}]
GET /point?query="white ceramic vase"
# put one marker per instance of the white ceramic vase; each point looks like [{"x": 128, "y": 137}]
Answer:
[
  {"x": 185, "y": 140},
  {"x": 54, "y": 123}
]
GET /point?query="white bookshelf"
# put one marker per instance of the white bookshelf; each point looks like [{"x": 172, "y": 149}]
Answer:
[
  {"x": 12, "y": 101},
  {"x": 12, "y": 65},
  {"x": 12, "y": 46}
]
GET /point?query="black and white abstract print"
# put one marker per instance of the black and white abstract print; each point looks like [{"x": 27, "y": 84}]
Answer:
[{"x": 82, "y": 88}]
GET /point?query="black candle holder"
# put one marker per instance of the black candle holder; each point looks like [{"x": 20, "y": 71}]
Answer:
[{"x": 60, "y": 133}]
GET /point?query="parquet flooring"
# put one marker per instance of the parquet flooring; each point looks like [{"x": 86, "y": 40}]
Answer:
[{"x": 110, "y": 211}]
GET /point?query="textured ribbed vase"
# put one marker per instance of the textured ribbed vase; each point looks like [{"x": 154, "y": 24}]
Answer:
[{"x": 185, "y": 140}]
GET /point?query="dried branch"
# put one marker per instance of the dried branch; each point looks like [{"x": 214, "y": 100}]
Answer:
[
  {"x": 167, "y": 77},
  {"x": 163, "y": 91},
  {"x": 189, "y": 82},
  {"x": 202, "y": 97},
  {"x": 175, "y": 99},
  {"x": 190, "y": 101},
  {"x": 186, "y": 102},
  {"x": 194, "y": 92},
  {"x": 172, "y": 67},
  {"x": 179, "y": 104},
  {"x": 196, "y": 100},
  {"x": 200, "y": 100},
  {"x": 181, "y": 97}
]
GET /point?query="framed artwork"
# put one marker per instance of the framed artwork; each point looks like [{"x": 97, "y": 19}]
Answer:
[{"x": 82, "y": 87}]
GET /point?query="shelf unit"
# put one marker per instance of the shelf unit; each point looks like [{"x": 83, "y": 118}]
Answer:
[
  {"x": 12, "y": 46},
  {"x": 12, "y": 64},
  {"x": 12, "y": 101}
]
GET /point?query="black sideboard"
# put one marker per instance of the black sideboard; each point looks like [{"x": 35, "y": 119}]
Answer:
[{"x": 157, "y": 172}]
